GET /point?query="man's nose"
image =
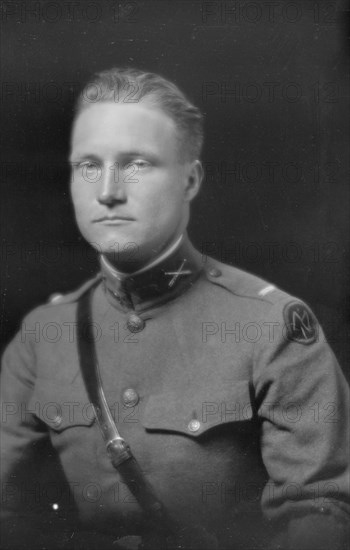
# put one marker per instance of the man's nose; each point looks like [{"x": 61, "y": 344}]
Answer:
[{"x": 112, "y": 187}]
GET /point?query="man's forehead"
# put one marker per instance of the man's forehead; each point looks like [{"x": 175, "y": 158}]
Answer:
[
  {"x": 113, "y": 116},
  {"x": 126, "y": 127}
]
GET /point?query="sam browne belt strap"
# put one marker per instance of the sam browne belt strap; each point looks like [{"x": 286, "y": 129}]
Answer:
[{"x": 117, "y": 448}]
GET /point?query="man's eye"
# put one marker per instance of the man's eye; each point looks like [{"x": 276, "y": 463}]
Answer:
[
  {"x": 89, "y": 165},
  {"x": 139, "y": 164},
  {"x": 90, "y": 171}
]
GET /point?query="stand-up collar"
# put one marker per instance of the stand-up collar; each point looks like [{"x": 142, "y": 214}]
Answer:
[{"x": 164, "y": 279}]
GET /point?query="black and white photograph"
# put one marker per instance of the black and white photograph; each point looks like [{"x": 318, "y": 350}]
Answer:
[{"x": 175, "y": 301}]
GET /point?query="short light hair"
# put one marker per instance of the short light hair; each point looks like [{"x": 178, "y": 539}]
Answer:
[{"x": 129, "y": 85}]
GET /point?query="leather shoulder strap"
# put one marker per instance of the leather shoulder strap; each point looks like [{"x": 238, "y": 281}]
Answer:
[{"x": 117, "y": 448}]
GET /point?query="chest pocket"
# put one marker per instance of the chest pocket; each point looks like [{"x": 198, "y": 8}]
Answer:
[
  {"x": 195, "y": 413},
  {"x": 61, "y": 406}
]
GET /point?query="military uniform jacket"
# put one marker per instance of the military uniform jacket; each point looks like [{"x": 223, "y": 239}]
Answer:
[{"x": 224, "y": 387}]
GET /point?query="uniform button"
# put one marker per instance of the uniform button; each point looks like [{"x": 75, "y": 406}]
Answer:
[
  {"x": 57, "y": 420},
  {"x": 214, "y": 272},
  {"x": 194, "y": 425},
  {"x": 55, "y": 298},
  {"x": 92, "y": 493},
  {"x": 135, "y": 323},
  {"x": 130, "y": 397}
]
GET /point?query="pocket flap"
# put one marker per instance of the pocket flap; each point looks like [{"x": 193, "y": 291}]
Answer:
[
  {"x": 61, "y": 407},
  {"x": 196, "y": 413}
]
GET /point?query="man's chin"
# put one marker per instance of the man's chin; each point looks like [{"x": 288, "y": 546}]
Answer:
[{"x": 114, "y": 244}]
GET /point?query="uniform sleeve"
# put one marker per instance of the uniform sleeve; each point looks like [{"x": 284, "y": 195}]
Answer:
[
  {"x": 21, "y": 434},
  {"x": 20, "y": 431},
  {"x": 303, "y": 402}
]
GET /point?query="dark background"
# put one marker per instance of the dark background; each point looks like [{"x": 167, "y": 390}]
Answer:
[{"x": 271, "y": 79}]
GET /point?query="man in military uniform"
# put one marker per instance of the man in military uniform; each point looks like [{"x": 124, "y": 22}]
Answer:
[{"x": 223, "y": 386}]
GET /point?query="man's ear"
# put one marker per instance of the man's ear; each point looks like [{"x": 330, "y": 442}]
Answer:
[{"x": 194, "y": 177}]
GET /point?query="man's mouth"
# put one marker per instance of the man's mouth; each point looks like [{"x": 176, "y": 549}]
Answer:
[{"x": 113, "y": 220}]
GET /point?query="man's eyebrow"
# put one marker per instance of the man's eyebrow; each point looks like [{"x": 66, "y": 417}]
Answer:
[
  {"x": 140, "y": 152},
  {"x": 124, "y": 154},
  {"x": 83, "y": 156}
]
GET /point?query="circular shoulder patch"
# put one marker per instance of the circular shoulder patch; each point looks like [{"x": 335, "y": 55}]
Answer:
[{"x": 301, "y": 324}]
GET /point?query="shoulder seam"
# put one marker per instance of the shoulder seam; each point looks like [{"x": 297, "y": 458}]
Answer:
[{"x": 261, "y": 289}]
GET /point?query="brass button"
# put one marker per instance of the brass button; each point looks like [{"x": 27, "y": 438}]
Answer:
[
  {"x": 135, "y": 323},
  {"x": 57, "y": 420},
  {"x": 194, "y": 425},
  {"x": 130, "y": 397},
  {"x": 55, "y": 298},
  {"x": 214, "y": 272}
]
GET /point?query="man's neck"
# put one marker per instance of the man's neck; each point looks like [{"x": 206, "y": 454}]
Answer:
[{"x": 162, "y": 256}]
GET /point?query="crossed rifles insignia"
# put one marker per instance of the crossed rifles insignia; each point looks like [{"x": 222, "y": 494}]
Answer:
[
  {"x": 176, "y": 274},
  {"x": 300, "y": 322}
]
